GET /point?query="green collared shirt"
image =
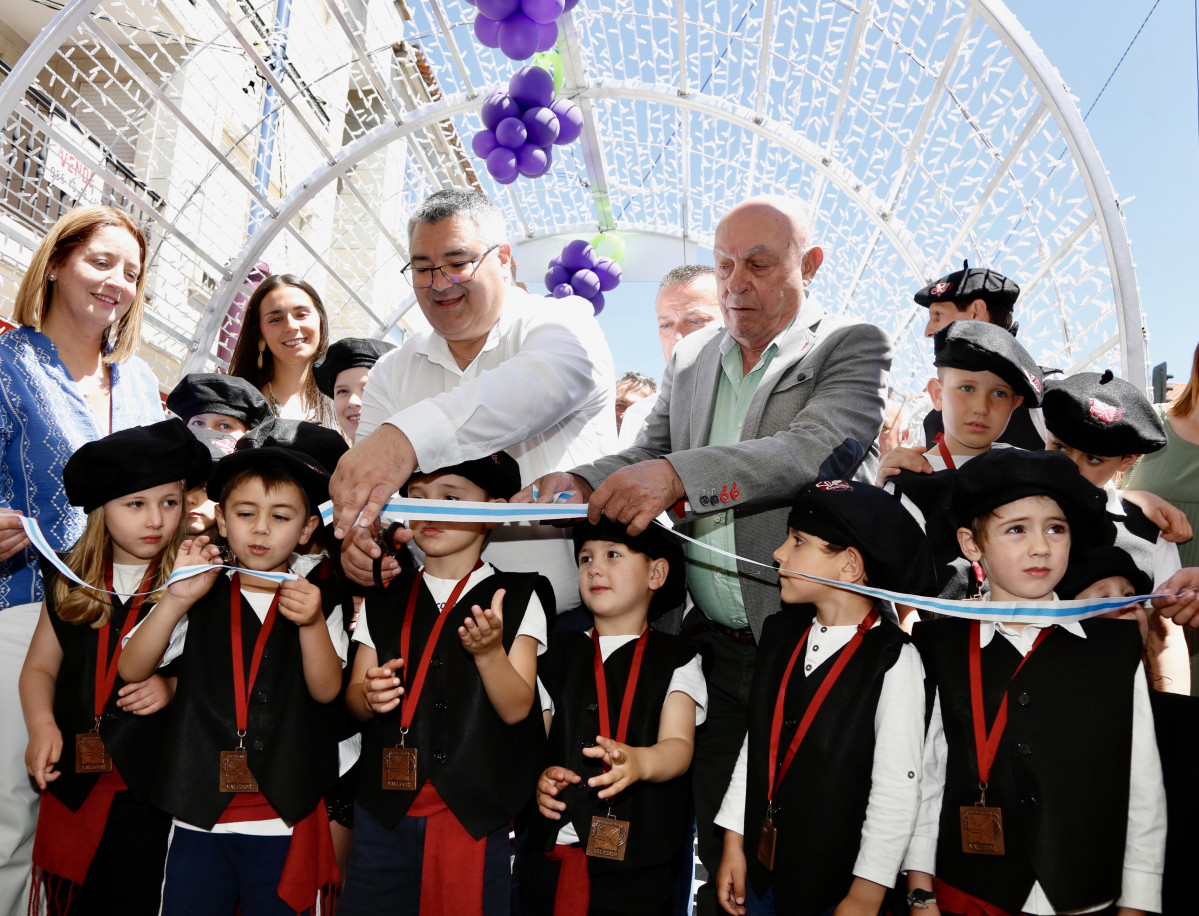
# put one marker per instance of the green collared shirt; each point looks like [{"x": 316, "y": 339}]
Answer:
[{"x": 712, "y": 578}]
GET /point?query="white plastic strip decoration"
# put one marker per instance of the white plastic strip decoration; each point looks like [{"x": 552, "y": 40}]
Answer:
[
  {"x": 34, "y": 532},
  {"x": 1039, "y": 612}
]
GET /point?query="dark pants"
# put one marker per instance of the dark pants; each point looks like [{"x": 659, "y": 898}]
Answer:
[
  {"x": 127, "y": 866},
  {"x": 729, "y": 669},
  {"x": 626, "y": 892},
  {"x": 383, "y": 875},
  {"x": 217, "y": 873}
]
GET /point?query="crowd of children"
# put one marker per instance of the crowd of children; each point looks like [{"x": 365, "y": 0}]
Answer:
[{"x": 238, "y": 708}]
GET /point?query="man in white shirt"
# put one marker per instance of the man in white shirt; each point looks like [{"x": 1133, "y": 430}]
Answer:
[{"x": 501, "y": 369}]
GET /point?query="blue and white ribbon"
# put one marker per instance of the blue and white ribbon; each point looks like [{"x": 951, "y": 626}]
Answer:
[
  {"x": 33, "y": 531},
  {"x": 1038, "y": 612}
]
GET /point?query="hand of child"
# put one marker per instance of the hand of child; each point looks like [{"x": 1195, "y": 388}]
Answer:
[
  {"x": 901, "y": 459},
  {"x": 481, "y": 633},
  {"x": 146, "y": 696},
  {"x": 381, "y": 687},
  {"x": 623, "y": 762},
  {"x": 549, "y": 784},
  {"x": 730, "y": 878},
  {"x": 300, "y": 602},
  {"x": 42, "y": 753},
  {"x": 198, "y": 552}
]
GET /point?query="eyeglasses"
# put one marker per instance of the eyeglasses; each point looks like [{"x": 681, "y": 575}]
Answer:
[{"x": 455, "y": 272}]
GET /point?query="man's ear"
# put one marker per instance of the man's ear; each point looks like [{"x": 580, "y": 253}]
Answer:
[
  {"x": 505, "y": 253},
  {"x": 658, "y": 571},
  {"x": 811, "y": 263},
  {"x": 309, "y": 527},
  {"x": 853, "y": 570},
  {"x": 220, "y": 521},
  {"x": 934, "y": 392},
  {"x": 968, "y": 545}
]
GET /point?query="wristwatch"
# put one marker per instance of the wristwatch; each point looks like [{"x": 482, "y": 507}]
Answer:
[{"x": 919, "y": 899}]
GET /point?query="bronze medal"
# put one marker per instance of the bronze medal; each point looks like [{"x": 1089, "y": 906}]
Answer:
[
  {"x": 982, "y": 829},
  {"x": 235, "y": 772},
  {"x": 399, "y": 768},
  {"x": 767, "y": 837},
  {"x": 608, "y": 838},
  {"x": 90, "y": 754}
]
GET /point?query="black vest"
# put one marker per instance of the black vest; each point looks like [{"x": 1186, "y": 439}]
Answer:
[
  {"x": 1135, "y": 535},
  {"x": 483, "y": 769},
  {"x": 1061, "y": 770},
  {"x": 134, "y": 742},
  {"x": 290, "y": 742},
  {"x": 930, "y": 494},
  {"x": 657, "y": 812},
  {"x": 819, "y": 832}
]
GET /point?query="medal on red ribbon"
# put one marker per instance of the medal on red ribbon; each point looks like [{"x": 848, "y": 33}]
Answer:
[
  {"x": 235, "y": 765},
  {"x": 90, "y": 754}
]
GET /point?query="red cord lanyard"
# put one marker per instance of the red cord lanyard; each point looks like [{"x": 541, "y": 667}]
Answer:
[
  {"x": 106, "y": 668},
  {"x": 986, "y": 745},
  {"x": 412, "y": 689},
  {"x": 778, "y": 773},
  {"x": 242, "y": 688},
  {"x": 630, "y": 688},
  {"x": 944, "y": 450}
]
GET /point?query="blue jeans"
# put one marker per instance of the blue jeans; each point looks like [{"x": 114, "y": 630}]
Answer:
[{"x": 212, "y": 873}]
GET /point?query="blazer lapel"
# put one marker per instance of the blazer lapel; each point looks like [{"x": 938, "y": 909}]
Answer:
[
  {"x": 786, "y": 369},
  {"x": 707, "y": 371}
]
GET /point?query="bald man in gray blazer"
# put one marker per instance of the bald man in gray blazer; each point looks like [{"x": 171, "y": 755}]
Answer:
[{"x": 783, "y": 395}]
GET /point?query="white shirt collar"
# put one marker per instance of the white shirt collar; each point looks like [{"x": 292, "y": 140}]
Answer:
[{"x": 1023, "y": 638}]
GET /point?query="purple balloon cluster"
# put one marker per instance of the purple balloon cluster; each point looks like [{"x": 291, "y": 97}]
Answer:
[
  {"x": 579, "y": 271},
  {"x": 523, "y": 124},
  {"x": 519, "y": 28}
]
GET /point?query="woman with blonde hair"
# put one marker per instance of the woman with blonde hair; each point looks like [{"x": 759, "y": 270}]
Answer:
[
  {"x": 68, "y": 375},
  {"x": 284, "y": 332}
]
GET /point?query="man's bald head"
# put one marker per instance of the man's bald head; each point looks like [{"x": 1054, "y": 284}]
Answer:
[{"x": 791, "y": 215}]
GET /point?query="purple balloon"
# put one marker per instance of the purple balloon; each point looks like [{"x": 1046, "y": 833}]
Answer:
[
  {"x": 556, "y": 276},
  {"x": 542, "y": 10},
  {"x": 609, "y": 273},
  {"x": 497, "y": 106},
  {"x": 502, "y": 165},
  {"x": 556, "y": 260},
  {"x": 483, "y": 143},
  {"x": 498, "y": 10},
  {"x": 570, "y": 5},
  {"x": 578, "y": 255},
  {"x": 597, "y": 302},
  {"x": 511, "y": 133},
  {"x": 570, "y": 121},
  {"x": 531, "y": 87},
  {"x": 533, "y": 161},
  {"x": 518, "y": 37},
  {"x": 547, "y": 36},
  {"x": 487, "y": 31},
  {"x": 585, "y": 283},
  {"x": 541, "y": 124},
  {"x": 562, "y": 290}
]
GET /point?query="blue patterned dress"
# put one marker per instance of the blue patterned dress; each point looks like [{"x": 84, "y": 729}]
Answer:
[{"x": 43, "y": 419}]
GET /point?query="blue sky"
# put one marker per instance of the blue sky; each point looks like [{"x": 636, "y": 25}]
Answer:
[{"x": 1146, "y": 127}]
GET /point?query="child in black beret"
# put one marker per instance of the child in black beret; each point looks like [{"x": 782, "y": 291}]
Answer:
[
  {"x": 93, "y": 738},
  {"x": 825, "y": 792},
  {"x": 1042, "y": 785},
  {"x": 454, "y": 739},
  {"x": 614, "y": 805},
  {"x": 224, "y": 403},
  {"x": 341, "y": 375}
]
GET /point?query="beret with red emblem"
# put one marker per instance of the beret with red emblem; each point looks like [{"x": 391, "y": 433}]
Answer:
[
  {"x": 980, "y": 346},
  {"x": 968, "y": 284},
  {"x": 498, "y": 474},
  {"x": 1102, "y": 415},
  {"x": 853, "y": 514},
  {"x": 219, "y": 444}
]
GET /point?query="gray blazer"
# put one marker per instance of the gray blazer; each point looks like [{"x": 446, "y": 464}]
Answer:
[{"x": 816, "y": 415}]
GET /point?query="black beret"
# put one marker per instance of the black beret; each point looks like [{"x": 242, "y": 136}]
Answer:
[
  {"x": 1090, "y": 566},
  {"x": 347, "y": 353},
  {"x": 219, "y": 444},
  {"x": 980, "y": 346},
  {"x": 852, "y": 514},
  {"x": 654, "y": 542},
  {"x": 212, "y": 392},
  {"x": 309, "y": 476},
  {"x": 498, "y": 474},
  {"x": 1004, "y": 475},
  {"x": 968, "y": 284},
  {"x": 1102, "y": 415},
  {"x": 134, "y": 459},
  {"x": 311, "y": 439}
]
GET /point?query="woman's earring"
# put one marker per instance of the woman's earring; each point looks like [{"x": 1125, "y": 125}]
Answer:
[
  {"x": 261, "y": 350},
  {"x": 51, "y": 278},
  {"x": 980, "y": 577}
]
